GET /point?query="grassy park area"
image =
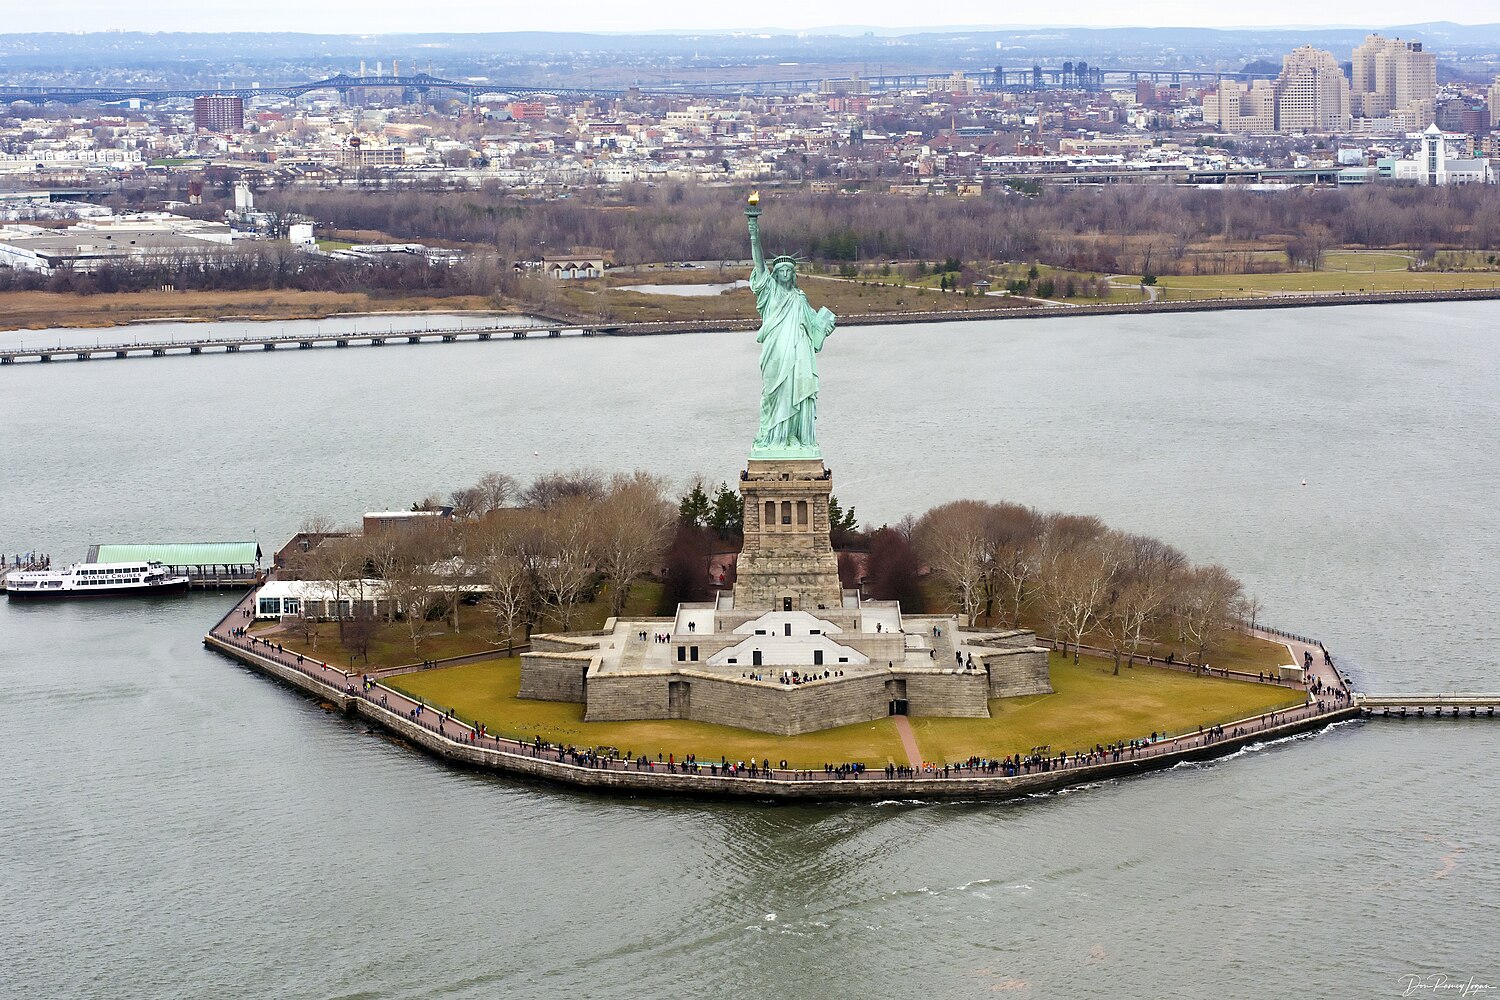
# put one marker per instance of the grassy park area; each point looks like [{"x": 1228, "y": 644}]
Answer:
[
  {"x": 1090, "y": 705},
  {"x": 1352, "y": 279}
]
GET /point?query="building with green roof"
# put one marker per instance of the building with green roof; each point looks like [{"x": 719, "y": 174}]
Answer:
[{"x": 205, "y": 563}]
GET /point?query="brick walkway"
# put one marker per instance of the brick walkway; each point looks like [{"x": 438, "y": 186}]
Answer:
[{"x": 908, "y": 740}]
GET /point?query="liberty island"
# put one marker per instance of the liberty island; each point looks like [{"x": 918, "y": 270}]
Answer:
[{"x": 786, "y": 652}]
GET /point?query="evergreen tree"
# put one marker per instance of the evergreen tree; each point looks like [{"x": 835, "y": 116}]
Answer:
[
  {"x": 841, "y": 522},
  {"x": 728, "y": 515},
  {"x": 694, "y": 508}
]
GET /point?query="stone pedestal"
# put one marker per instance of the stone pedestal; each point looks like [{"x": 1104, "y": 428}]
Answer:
[{"x": 788, "y": 560}]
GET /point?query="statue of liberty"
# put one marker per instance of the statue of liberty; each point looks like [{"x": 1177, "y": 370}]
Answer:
[{"x": 791, "y": 333}]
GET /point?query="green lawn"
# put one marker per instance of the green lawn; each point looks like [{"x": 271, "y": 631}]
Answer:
[
  {"x": 1248, "y": 285},
  {"x": 1344, "y": 260},
  {"x": 1089, "y": 706},
  {"x": 486, "y": 692}
]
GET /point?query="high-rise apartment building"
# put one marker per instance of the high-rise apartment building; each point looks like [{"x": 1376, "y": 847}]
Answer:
[
  {"x": 1236, "y": 107},
  {"x": 1495, "y": 104},
  {"x": 219, "y": 113},
  {"x": 1393, "y": 78},
  {"x": 1312, "y": 94}
]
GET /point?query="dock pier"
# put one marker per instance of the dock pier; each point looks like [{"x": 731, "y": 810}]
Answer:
[{"x": 1457, "y": 705}]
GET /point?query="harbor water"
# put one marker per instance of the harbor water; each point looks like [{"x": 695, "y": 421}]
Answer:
[{"x": 173, "y": 825}]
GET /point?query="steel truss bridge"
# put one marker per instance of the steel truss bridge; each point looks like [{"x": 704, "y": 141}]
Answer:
[{"x": 421, "y": 86}]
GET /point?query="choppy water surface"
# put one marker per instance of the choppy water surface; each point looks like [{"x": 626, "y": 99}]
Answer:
[{"x": 172, "y": 825}]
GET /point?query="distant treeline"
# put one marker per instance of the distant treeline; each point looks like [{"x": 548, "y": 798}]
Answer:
[
  {"x": 272, "y": 266},
  {"x": 1125, "y": 229}
]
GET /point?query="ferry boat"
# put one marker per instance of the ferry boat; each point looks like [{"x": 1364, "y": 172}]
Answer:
[{"x": 95, "y": 580}]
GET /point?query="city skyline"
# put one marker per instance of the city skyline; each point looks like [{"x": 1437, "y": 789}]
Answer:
[{"x": 681, "y": 16}]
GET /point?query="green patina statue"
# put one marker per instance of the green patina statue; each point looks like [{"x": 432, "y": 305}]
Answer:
[{"x": 791, "y": 333}]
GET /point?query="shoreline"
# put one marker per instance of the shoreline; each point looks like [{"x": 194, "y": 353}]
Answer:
[
  {"x": 1297, "y": 301},
  {"x": 640, "y": 328},
  {"x": 345, "y": 692}
]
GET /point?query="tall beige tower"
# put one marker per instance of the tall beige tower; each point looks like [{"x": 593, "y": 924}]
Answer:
[
  {"x": 1392, "y": 77},
  {"x": 1237, "y": 107},
  {"x": 1312, "y": 94}
]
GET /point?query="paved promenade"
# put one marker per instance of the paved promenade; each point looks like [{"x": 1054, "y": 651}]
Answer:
[{"x": 454, "y": 740}]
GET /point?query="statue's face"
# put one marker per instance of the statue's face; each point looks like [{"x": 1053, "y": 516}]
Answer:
[{"x": 784, "y": 272}]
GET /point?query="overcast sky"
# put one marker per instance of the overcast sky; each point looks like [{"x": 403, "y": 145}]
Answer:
[{"x": 376, "y": 16}]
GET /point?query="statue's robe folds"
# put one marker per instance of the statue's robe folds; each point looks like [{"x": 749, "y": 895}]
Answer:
[{"x": 791, "y": 332}]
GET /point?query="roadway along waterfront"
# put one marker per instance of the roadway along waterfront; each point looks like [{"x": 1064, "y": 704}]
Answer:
[{"x": 181, "y": 827}]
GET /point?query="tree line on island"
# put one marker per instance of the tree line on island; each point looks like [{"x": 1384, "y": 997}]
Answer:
[
  {"x": 1132, "y": 229},
  {"x": 525, "y": 553},
  {"x": 1147, "y": 230}
]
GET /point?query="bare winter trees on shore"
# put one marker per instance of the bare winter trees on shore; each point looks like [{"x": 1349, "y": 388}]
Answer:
[
  {"x": 521, "y": 553},
  {"x": 525, "y": 553},
  {"x": 1079, "y": 579}
]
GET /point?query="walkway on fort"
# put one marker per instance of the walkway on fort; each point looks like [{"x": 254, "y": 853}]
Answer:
[{"x": 382, "y": 699}]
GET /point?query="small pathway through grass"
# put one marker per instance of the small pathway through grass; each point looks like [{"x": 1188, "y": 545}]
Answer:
[{"x": 908, "y": 740}]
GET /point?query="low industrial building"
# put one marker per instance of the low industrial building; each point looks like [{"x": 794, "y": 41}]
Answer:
[{"x": 88, "y": 246}]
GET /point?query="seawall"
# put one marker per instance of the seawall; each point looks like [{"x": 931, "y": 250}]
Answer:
[{"x": 521, "y": 760}]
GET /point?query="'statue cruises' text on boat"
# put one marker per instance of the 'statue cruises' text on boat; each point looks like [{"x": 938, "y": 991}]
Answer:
[{"x": 95, "y": 580}]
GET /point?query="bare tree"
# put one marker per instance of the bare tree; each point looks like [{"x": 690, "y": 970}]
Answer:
[
  {"x": 632, "y": 526},
  {"x": 1017, "y": 533},
  {"x": 338, "y": 564},
  {"x": 1208, "y": 601},
  {"x": 1139, "y": 595},
  {"x": 954, "y": 540},
  {"x": 508, "y": 584},
  {"x": 549, "y": 490},
  {"x": 1075, "y": 581},
  {"x": 454, "y": 549},
  {"x": 565, "y": 567},
  {"x": 360, "y": 631},
  {"x": 1253, "y": 607},
  {"x": 494, "y": 491},
  {"x": 412, "y": 586}
]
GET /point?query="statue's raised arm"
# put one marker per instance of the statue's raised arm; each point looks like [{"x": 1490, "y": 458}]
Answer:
[{"x": 752, "y": 217}]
